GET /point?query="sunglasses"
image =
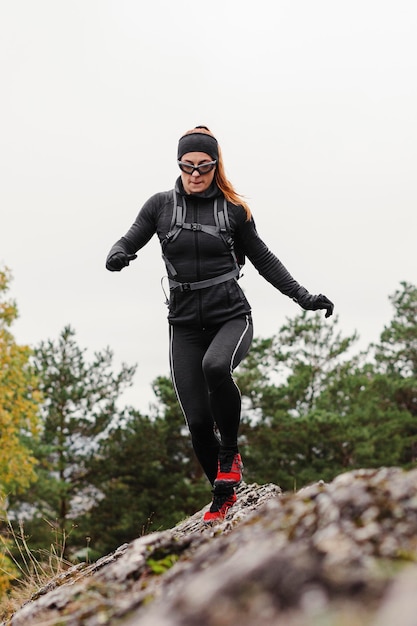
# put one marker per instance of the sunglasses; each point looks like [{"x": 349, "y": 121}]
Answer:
[{"x": 204, "y": 168}]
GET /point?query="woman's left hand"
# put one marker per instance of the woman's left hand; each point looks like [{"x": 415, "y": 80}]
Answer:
[{"x": 314, "y": 303}]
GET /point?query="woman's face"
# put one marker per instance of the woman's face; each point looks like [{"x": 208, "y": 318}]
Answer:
[{"x": 197, "y": 181}]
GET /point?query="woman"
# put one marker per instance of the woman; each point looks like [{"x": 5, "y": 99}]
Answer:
[{"x": 204, "y": 228}]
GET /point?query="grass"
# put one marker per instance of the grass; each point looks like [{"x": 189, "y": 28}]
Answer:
[{"x": 29, "y": 571}]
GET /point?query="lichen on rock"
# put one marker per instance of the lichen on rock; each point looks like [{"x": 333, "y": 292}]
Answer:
[{"x": 333, "y": 549}]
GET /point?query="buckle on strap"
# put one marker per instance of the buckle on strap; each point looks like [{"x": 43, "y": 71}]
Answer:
[
  {"x": 202, "y": 284},
  {"x": 195, "y": 226}
]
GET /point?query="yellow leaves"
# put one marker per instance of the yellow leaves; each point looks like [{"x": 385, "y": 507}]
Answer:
[
  {"x": 8, "y": 309},
  {"x": 8, "y": 571},
  {"x": 19, "y": 403},
  {"x": 16, "y": 463}
]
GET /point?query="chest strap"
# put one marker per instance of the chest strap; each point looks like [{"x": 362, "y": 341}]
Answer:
[
  {"x": 221, "y": 229},
  {"x": 202, "y": 284}
]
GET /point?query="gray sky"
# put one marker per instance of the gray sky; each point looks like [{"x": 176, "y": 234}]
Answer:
[{"x": 313, "y": 102}]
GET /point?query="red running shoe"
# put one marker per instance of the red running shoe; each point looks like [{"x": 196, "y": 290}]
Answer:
[
  {"x": 230, "y": 468},
  {"x": 219, "y": 507}
]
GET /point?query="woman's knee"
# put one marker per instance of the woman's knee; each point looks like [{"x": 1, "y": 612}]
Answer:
[
  {"x": 215, "y": 372},
  {"x": 200, "y": 429}
]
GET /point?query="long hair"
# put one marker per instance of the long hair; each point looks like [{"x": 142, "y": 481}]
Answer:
[{"x": 222, "y": 181}]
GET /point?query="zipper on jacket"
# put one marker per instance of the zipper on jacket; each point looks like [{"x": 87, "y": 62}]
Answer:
[{"x": 196, "y": 214}]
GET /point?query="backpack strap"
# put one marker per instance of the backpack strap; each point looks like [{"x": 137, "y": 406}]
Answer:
[
  {"x": 222, "y": 220},
  {"x": 205, "y": 228},
  {"x": 203, "y": 284},
  {"x": 221, "y": 229},
  {"x": 177, "y": 220}
]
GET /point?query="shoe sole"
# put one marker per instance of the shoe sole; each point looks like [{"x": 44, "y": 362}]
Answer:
[
  {"x": 213, "y": 520},
  {"x": 227, "y": 483},
  {"x": 219, "y": 518}
]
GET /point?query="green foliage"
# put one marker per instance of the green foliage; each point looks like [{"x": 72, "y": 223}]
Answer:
[
  {"x": 312, "y": 412},
  {"x": 292, "y": 436},
  {"x": 79, "y": 407},
  {"x": 312, "y": 409},
  {"x": 160, "y": 566},
  {"x": 147, "y": 475},
  {"x": 397, "y": 349},
  {"x": 287, "y": 372}
]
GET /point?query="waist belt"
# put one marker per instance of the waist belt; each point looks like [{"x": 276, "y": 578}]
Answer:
[{"x": 202, "y": 284}]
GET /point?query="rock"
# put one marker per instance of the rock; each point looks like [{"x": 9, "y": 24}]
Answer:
[
  {"x": 400, "y": 604},
  {"x": 327, "y": 551}
]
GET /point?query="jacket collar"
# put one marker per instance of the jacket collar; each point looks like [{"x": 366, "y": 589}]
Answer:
[{"x": 212, "y": 192}]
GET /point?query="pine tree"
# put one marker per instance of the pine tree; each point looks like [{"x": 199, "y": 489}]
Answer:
[
  {"x": 289, "y": 435},
  {"x": 80, "y": 404},
  {"x": 313, "y": 412},
  {"x": 397, "y": 349},
  {"x": 148, "y": 475},
  {"x": 396, "y": 358}
]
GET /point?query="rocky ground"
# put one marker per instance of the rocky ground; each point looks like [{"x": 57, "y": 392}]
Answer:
[{"x": 337, "y": 554}]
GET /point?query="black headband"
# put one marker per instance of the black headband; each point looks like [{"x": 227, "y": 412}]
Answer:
[{"x": 198, "y": 142}]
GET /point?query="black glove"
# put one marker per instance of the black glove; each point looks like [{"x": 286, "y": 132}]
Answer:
[
  {"x": 119, "y": 260},
  {"x": 313, "y": 303}
]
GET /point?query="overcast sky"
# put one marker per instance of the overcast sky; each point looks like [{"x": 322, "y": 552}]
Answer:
[{"x": 313, "y": 102}]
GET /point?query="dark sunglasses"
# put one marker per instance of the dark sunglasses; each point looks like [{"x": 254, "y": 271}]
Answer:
[{"x": 204, "y": 168}]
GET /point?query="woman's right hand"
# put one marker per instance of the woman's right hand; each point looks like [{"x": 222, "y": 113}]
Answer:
[{"x": 119, "y": 260}]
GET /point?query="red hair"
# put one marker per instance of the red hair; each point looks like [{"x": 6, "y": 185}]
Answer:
[{"x": 222, "y": 181}]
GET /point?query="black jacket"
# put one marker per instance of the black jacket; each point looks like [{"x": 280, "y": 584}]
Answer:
[{"x": 196, "y": 256}]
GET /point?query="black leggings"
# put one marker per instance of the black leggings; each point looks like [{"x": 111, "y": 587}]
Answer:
[{"x": 202, "y": 362}]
